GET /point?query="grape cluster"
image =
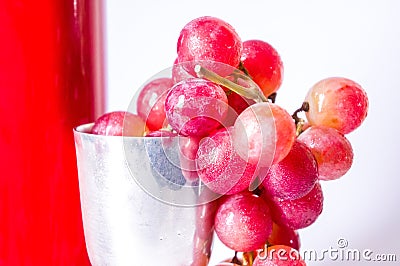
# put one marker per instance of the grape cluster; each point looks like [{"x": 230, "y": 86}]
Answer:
[{"x": 266, "y": 164}]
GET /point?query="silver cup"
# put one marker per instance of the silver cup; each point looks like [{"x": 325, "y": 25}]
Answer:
[{"x": 131, "y": 214}]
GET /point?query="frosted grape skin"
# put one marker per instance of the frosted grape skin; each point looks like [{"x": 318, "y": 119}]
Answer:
[
  {"x": 196, "y": 107},
  {"x": 243, "y": 222},
  {"x": 209, "y": 38},
  {"x": 298, "y": 213},
  {"x": 220, "y": 168},
  {"x": 294, "y": 176}
]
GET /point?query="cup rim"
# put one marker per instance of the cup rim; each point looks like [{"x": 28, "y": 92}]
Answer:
[{"x": 85, "y": 129}]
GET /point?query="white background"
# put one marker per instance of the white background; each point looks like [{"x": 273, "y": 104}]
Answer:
[{"x": 359, "y": 40}]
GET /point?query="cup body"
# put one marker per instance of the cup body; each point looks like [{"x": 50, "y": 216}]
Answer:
[{"x": 125, "y": 222}]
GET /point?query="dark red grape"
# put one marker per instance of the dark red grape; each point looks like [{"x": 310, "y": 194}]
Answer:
[
  {"x": 263, "y": 64},
  {"x": 282, "y": 235},
  {"x": 294, "y": 176},
  {"x": 298, "y": 213}
]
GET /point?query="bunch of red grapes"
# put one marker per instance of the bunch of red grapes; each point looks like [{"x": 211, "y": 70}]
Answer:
[{"x": 266, "y": 164}]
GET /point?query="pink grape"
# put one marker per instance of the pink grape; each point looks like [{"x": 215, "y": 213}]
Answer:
[
  {"x": 282, "y": 235},
  {"x": 243, "y": 222},
  {"x": 264, "y": 65},
  {"x": 298, "y": 213},
  {"x": 180, "y": 71},
  {"x": 279, "y": 255},
  {"x": 294, "y": 176},
  {"x": 337, "y": 102},
  {"x": 151, "y": 100},
  {"x": 331, "y": 149},
  {"x": 195, "y": 107},
  {"x": 209, "y": 38},
  {"x": 264, "y": 134},
  {"x": 188, "y": 149},
  {"x": 220, "y": 167},
  {"x": 119, "y": 123}
]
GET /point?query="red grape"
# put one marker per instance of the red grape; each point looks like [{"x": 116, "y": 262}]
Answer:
[
  {"x": 331, "y": 149},
  {"x": 264, "y": 134},
  {"x": 263, "y": 64},
  {"x": 243, "y": 222},
  {"x": 237, "y": 104},
  {"x": 209, "y": 38},
  {"x": 220, "y": 167},
  {"x": 282, "y": 235},
  {"x": 298, "y": 213},
  {"x": 279, "y": 255},
  {"x": 195, "y": 107},
  {"x": 294, "y": 176},
  {"x": 180, "y": 71},
  {"x": 119, "y": 123},
  {"x": 151, "y": 100},
  {"x": 337, "y": 102},
  {"x": 188, "y": 150}
]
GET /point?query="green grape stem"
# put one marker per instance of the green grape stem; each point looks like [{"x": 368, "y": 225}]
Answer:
[{"x": 253, "y": 93}]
